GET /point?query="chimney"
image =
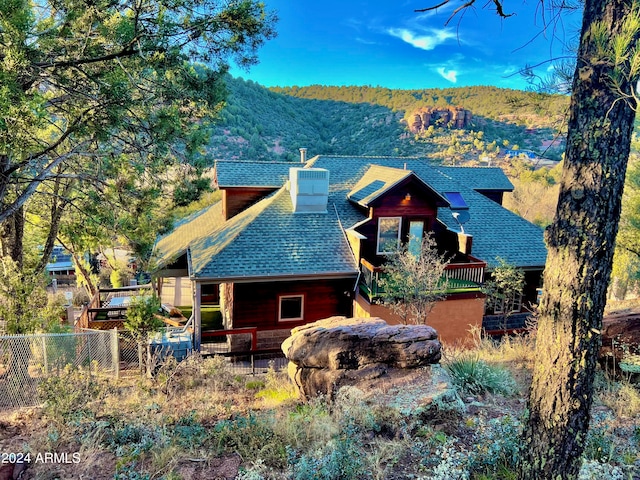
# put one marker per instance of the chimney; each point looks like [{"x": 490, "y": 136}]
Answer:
[
  {"x": 309, "y": 189},
  {"x": 303, "y": 155},
  {"x": 465, "y": 242}
]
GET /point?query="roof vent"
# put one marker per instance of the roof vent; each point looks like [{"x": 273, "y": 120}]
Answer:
[
  {"x": 303, "y": 155},
  {"x": 309, "y": 189}
]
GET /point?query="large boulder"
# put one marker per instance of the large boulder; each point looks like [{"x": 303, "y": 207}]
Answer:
[{"x": 361, "y": 352}]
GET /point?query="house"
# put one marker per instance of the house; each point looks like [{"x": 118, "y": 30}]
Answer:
[
  {"x": 293, "y": 243},
  {"x": 60, "y": 266}
]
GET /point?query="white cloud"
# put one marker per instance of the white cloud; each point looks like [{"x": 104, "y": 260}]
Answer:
[
  {"x": 427, "y": 41},
  {"x": 450, "y": 75}
]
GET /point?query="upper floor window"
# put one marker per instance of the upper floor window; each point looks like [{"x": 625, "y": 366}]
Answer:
[{"x": 388, "y": 235}]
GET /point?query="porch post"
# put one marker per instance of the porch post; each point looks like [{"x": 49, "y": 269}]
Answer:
[{"x": 197, "y": 320}]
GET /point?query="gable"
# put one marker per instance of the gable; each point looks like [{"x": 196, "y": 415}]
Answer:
[{"x": 380, "y": 182}]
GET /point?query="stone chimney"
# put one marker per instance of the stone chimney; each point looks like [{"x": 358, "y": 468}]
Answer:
[
  {"x": 303, "y": 155},
  {"x": 309, "y": 188}
]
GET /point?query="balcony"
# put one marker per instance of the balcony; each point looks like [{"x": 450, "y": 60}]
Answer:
[{"x": 464, "y": 277}]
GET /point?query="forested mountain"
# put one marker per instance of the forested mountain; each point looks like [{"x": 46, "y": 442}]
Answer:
[{"x": 272, "y": 124}]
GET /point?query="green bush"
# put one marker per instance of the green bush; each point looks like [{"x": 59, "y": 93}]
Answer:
[
  {"x": 497, "y": 447},
  {"x": 70, "y": 393},
  {"x": 476, "y": 377},
  {"x": 339, "y": 459}
]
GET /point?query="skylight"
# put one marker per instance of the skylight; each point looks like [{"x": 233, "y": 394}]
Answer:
[{"x": 456, "y": 200}]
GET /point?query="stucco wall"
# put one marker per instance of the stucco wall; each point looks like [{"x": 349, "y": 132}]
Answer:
[{"x": 452, "y": 318}]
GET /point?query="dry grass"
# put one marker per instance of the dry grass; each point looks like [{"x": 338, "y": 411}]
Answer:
[{"x": 197, "y": 420}]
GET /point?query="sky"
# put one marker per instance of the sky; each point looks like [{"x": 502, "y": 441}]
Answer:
[{"x": 386, "y": 43}]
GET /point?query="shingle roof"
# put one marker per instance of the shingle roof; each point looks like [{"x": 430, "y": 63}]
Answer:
[
  {"x": 479, "y": 178},
  {"x": 171, "y": 246},
  {"x": 375, "y": 182},
  {"x": 268, "y": 240},
  {"x": 253, "y": 174},
  {"x": 497, "y": 232}
]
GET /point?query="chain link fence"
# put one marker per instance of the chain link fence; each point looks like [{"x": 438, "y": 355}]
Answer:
[{"x": 27, "y": 360}]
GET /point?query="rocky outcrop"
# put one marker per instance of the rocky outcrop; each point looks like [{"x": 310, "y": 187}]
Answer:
[
  {"x": 451, "y": 117},
  {"x": 361, "y": 352}
]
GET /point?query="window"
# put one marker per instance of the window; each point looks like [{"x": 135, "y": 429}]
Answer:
[
  {"x": 291, "y": 307},
  {"x": 503, "y": 305},
  {"x": 388, "y": 235},
  {"x": 416, "y": 234}
]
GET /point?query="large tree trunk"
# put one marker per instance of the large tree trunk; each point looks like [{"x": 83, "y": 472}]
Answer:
[{"x": 581, "y": 243}]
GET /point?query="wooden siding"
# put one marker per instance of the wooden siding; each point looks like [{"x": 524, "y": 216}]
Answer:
[
  {"x": 237, "y": 199},
  {"x": 395, "y": 206},
  {"x": 256, "y": 304}
]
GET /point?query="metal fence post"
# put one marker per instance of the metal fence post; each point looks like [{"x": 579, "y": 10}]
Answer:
[
  {"x": 115, "y": 353},
  {"x": 45, "y": 362},
  {"x": 87, "y": 336}
]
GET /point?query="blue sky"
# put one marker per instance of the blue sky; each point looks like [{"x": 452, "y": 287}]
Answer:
[{"x": 385, "y": 43}]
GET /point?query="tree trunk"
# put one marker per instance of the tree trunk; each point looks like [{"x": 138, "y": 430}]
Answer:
[
  {"x": 11, "y": 237},
  {"x": 581, "y": 243}
]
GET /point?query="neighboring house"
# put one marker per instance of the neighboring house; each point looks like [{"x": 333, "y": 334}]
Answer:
[
  {"x": 517, "y": 153},
  {"x": 60, "y": 266},
  {"x": 293, "y": 243}
]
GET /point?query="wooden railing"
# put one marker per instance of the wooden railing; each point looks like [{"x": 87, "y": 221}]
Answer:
[
  {"x": 98, "y": 307},
  {"x": 470, "y": 271},
  {"x": 461, "y": 277}
]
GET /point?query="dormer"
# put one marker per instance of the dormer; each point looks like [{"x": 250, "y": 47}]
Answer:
[{"x": 401, "y": 207}]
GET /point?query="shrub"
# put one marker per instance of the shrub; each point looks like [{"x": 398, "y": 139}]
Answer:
[
  {"x": 476, "y": 377},
  {"x": 338, "y": 459},
  {"x": 497, "y": 446},
  {"x": 70, "y": 393},
  {"x": 452, "y": 465},
  {"x": 594, "y": 470}
]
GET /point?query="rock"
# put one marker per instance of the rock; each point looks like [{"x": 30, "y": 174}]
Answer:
[
  {"x": 621, "y": 329},
  {"x": 362, "y": 352},
  {"x": 446, "y": 117}
]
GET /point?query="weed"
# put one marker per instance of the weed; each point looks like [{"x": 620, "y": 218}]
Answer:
[
  {"x": 257, "y": 471},
  {"x": 351, "y": 410},
  {"x": 383, "y": 456},
  {"x": 128, "y": 472},
  {"x": 250, "y": 436},
  {"x": 188, "y": 432},
  {"x": 599, "y": 444},
  {"x": 452, "y": 464},
  {"x": 278, "y": 388},
  {"x": 308, "y": 424},
  {"x": 621, "y": 397}
]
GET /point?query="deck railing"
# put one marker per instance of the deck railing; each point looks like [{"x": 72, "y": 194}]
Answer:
[
  {"x": 100, "y": 312},
  {"x": 460, "y": 277}
]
